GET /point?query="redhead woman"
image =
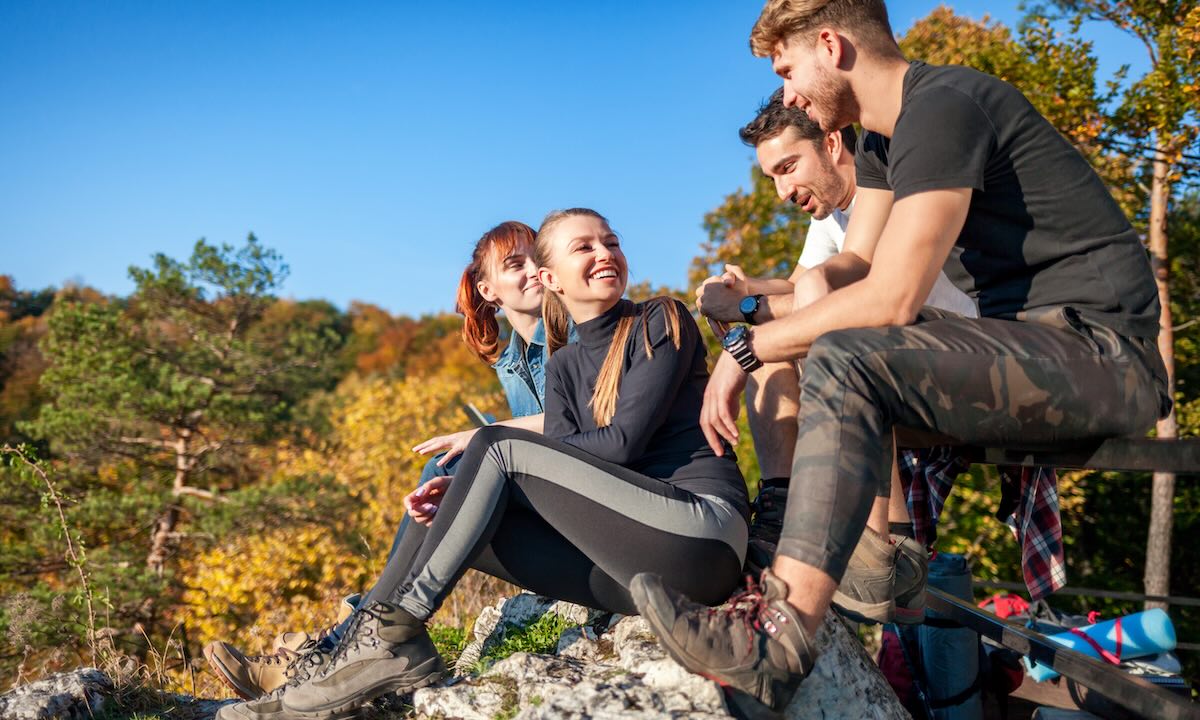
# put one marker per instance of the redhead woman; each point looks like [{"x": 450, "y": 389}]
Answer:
[{"x": 622, "y": 482}]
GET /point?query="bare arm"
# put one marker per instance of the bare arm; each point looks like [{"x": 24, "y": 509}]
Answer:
[{"x": 919, "y": 232}]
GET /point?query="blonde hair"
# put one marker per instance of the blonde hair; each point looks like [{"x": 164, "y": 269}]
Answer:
[
  {"x": 865, "y": 20},
  {"x": 555, "y": 319}
]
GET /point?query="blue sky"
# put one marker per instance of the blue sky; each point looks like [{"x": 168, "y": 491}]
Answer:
[{"x": 372, "y": 143}]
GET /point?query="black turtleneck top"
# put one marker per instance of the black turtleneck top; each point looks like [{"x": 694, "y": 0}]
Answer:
[{"x": 656, "y": 427}]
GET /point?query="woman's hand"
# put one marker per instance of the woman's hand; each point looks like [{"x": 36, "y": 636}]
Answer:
[
  {"x": 453, "y": 444},
  {"x": 423, "y": 503}
]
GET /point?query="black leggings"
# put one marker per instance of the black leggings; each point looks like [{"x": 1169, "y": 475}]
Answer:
[{"x": 560, "y": 522}]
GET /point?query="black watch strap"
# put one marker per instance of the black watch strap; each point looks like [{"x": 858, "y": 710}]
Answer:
[{"x": 749, "y": 307}]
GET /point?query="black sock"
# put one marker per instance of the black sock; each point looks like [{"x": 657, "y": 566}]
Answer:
[
  {"x": 777, "y": 482},
  {"x": 901, "y": 528}
]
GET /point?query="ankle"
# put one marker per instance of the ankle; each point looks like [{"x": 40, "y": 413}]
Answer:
[{"x": 809, "y": 590}]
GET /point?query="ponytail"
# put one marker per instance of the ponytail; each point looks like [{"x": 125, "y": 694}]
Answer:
[
  {"x": 608, "y": 381},
  {"x": 555, "y": 321},
  {"x": 481, "y": 330}
]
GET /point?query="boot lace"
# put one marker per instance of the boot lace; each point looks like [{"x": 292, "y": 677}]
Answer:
[
  {"x": 358, "y": 633},
  {"x": 747, "y": 607}
]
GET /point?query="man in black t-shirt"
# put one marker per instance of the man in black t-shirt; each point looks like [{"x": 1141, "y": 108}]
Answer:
[{"x": 956, "y": 169}]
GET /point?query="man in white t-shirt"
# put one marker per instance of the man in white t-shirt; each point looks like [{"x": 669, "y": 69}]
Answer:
[{"x": 814, "y": 170}]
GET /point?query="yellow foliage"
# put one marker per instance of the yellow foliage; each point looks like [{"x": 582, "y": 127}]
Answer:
[{"x": 248, "y": 588}]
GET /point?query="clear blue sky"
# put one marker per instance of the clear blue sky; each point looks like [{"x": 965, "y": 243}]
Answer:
[{"x": 372, "y": 143}]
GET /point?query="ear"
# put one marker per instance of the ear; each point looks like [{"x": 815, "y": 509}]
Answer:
[
  {"x": 547, "y": 279},
  {"x": 485, "y": 290},
  {"x": 834, "y": 146},
  {"x": 829, "y": 47}
]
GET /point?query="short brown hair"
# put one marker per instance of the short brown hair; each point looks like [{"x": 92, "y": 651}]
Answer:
[
  {"x": 866, "y": 20},
  {"x": 774, "y": 118}
]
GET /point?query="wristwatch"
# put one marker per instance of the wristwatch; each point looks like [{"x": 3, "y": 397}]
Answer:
[
  {"x": 737, "y": 344},
  {"x": 749, "y": 305}
]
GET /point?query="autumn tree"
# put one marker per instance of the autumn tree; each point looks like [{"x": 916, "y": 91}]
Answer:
[
  {"x": 1158, "y": 121},
  {"x": 181, "y": 378}
]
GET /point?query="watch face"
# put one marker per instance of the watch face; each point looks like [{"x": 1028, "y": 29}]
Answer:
[
  {"x": 734, "y": 335},
  {"x": 748, "y": 304}
]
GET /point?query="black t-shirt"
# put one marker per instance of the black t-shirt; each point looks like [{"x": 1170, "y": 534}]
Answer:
[
  {"x": 656, "y": 427},
  {"x": 1042, "y": 230}
]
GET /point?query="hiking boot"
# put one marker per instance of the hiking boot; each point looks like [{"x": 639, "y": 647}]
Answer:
[
  {"x": 295, "y": 640},
  {"x": 270, "y": 706},
  {"x": 754, "y": 646},
  {"x": 867, "y": 593},
  {"x": 766, "y": 525},
  {"x": 912, "y": 572},
  {"x": 884, "y": 581},
  {"x": 384, "y": 650},
  {"x": 249, "y": 676},
  {"x": 253, "y": 676}
]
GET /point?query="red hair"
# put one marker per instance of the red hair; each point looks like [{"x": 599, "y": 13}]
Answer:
[{"x": 481, "y": 330}]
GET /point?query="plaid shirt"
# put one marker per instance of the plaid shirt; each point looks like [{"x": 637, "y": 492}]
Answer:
[{"x": 1028, "y": 504}]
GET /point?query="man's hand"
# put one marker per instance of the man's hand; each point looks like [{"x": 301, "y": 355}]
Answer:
[
  {"x": 423, "y": 503},
  {"x": 453, "y": 444},
  {"x": 718, "y": 296},
  {"x": 722, "y": 402}
]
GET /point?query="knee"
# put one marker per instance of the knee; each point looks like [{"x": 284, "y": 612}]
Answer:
[{"x": 432, "y": 469}]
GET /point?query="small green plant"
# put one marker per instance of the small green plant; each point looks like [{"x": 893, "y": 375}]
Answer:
[
  {"x": 540, "y": 636},
  {"x": 449, "y": 641}
]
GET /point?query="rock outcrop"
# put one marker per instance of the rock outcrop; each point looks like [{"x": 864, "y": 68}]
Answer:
[
  {"x": 621, "y": 671},
  {"x": 70, "y": 695},
  {"x": 603, "y": 667}
]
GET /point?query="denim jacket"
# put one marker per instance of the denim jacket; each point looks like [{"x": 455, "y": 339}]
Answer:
[{"x": 522, "y": 372}]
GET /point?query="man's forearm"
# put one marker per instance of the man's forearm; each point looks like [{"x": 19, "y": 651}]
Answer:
[
  {"x": 858, "y": 305},
  {"x": 768, "y": 286}
]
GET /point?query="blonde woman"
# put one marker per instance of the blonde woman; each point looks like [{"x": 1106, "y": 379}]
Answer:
[{"x": 622, "y": 482}]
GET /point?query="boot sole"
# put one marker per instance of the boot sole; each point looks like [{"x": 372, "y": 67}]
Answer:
[
  {"x": 226, "y": 677},
  {"x": 863, "y": 612},
  {"x": 399, "y": 684},
  {"x": 744, "y": 706}
]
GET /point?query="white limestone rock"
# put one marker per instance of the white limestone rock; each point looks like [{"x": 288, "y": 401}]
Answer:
[{"x": 70, "y": 695}]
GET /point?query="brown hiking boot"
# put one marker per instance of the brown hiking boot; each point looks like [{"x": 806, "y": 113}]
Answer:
[
  {"x": 754, "y": 645},
  {"x": 385, "y": 650},
  {"x": 270, "y": 706},
  {"x": 250, "y": 676},
  {"x": 253, "y": 676},
  {"x": 884, "y": 581}
]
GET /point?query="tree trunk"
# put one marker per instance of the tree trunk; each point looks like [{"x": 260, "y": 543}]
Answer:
[
  {"x": 164, "y": 527},
  {"x": 1162, "y": 495}
]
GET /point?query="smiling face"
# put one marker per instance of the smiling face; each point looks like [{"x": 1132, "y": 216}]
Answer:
[
  {"x": 511, "y": 282},
  {"x": 812, "y": 82},
  {"x": 804, "y": 173},
  {"x": 586, "y": 267}
]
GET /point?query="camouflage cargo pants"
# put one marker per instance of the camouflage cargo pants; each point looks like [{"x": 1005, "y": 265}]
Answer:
[{"x": 1043, "y": 382}]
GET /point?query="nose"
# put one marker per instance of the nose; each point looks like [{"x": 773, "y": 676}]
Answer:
[
  {"x": 784, "y": 189},
  {"x": 789, "y": 95},
  {"x": 531, "y": 268},
  {"x": 603, "y": 251}
]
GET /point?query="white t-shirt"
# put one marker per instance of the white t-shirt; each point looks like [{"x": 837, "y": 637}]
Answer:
[{"x": 827, "y": 237}]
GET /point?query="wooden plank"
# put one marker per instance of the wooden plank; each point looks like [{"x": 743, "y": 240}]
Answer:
[
  {"x": 1134, "y": 693},
  {"x": 1127, "y": 454}
]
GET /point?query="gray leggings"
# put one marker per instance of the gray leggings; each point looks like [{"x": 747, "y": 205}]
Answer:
[{"x": 560, "y": 522}]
